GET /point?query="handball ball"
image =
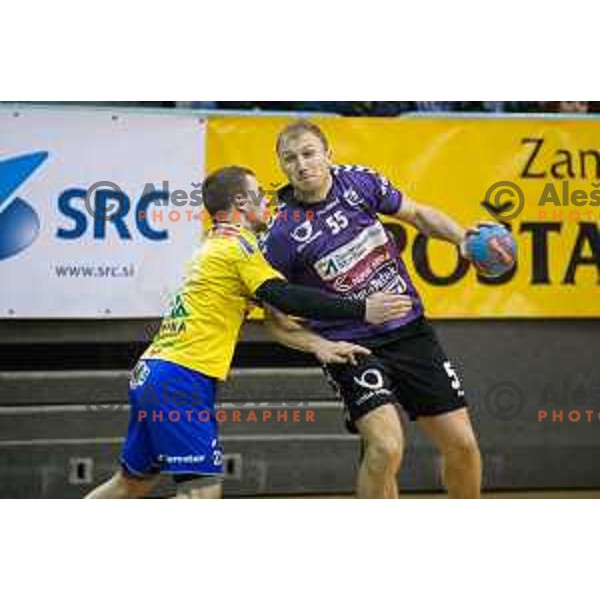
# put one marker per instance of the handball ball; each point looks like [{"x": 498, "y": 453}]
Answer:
[{"x": 492, "y": 249}]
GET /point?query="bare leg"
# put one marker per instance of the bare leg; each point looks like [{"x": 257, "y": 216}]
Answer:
[
  {"x": 381, "y": 433},
  {"x": 123, "y": 486},
  {"x": 453, "y": 436},
  {"x": 392, "y": 491},
  {"x": 212, "y": 492}
]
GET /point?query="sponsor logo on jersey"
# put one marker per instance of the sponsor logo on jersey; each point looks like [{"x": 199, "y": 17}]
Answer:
[
  {"x": 361, "y": 273},
  {"x": 305, "y": 235},
  {"x": 352, "y": 198},
  {"x": 346, "y": 257},
  {"x": 303, "y": 232}
]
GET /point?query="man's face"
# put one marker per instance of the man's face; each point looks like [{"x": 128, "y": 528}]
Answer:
[
  {"x": 251, "y": 203},
  {"x": 305, "y": 161}
]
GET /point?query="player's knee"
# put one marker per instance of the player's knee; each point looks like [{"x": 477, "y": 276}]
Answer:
[
  {"x": 464, "y": 449},
  {"x": 199, "y": 487},
  {"x": 134, "y": 487},
  {"x": 212, "y": 493},
  {"x": 384, "y": 452}
]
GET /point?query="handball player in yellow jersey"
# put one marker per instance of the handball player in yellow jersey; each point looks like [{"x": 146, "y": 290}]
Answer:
[{"x": 172, "y": 427}]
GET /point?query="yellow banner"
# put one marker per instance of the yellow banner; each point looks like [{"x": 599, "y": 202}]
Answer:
[{"x": 548, "y": 168}]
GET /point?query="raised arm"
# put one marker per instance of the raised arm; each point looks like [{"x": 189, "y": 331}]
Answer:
[
  {"x": 434, "y": 223},
  {"x": 431, "y": 222}
]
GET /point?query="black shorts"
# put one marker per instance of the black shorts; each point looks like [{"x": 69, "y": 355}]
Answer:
[{"x": 407, "y": 366}]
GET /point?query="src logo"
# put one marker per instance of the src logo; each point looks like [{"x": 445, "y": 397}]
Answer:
[{"x": 19, "y": 223}]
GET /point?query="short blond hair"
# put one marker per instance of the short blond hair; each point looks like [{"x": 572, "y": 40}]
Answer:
[{"x": 298, "y": 127}]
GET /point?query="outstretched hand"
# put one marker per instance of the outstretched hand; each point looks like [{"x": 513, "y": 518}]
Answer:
[{"x": 327, "y": 352}]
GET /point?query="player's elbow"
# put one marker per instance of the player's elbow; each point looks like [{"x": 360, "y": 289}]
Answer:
[
  {"x": 277, "y": 324},
  {"x": 409, "y": 211},
  {"x": 273, "y": 331},
  {"x": 424, "y": 217},
  {"x": 278, "y": 333}
]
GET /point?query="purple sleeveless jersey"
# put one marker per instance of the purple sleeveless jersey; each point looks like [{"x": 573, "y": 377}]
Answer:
[{"x": 340, "y": 246}]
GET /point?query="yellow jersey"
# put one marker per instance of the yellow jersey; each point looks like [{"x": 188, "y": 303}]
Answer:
[{"x": 201, "y": 329}]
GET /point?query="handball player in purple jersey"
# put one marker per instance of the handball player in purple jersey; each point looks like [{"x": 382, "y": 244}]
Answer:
[{"x": 340, "y": 245}]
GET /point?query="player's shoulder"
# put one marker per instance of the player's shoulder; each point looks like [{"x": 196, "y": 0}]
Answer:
[
  {"x": 354, "y": 170},
  {"x": 366, "y": 179},
  {"x": 247, "y": 242},
  {"x": 234, "y": 242}
]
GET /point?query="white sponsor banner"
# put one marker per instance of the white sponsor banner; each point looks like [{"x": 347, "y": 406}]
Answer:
[{"x": 122, "y": 251}]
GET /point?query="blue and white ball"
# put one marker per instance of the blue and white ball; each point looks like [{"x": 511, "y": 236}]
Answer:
[{"x": 492, "y": 249}]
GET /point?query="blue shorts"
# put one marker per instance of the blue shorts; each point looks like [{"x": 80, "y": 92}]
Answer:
[{"x": 172, "y": 428}]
